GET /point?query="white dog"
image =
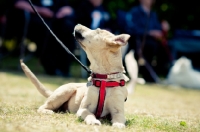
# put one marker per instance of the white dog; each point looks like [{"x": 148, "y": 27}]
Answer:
[
  {"x": 132, "y": 69},
  {"x": 183, "y": 74}
]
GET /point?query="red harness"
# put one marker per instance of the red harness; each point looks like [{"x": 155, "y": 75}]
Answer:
[{"x": 102, "y": 84}]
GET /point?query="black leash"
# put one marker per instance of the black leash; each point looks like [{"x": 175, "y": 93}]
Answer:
[{"x": 59, "y": 41}]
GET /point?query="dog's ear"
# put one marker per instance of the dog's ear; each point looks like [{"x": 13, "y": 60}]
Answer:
[
  {"x": 121, "y": 39},
  {"x": 118, "y": 40}
]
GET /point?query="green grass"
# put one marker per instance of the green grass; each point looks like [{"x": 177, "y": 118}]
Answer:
[{"x": 151, "y": 108}]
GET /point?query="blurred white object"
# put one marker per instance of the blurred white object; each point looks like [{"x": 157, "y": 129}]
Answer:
[
  {"x": 124, "y": 50},
  {"x": 132, "y": 69},
  {"x": 182, "y": 74}
]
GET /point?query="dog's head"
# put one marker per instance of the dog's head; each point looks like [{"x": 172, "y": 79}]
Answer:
[
  {"x": 103, "y": 48},
  {"x": 183, "y": 64}
]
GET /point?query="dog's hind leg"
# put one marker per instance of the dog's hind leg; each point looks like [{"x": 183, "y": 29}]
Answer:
[{"x": 58, "y": 97}]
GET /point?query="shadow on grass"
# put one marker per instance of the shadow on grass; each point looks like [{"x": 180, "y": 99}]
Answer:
[
  {"x": 107, "y": 121},
  {"x": 103, "y": 121},
  {"x": 130, "y": 122}
]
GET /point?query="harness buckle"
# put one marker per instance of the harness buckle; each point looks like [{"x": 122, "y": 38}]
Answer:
[{"x": 97, "y": 83}]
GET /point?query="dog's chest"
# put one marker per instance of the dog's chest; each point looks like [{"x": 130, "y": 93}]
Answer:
[
  {"x": 92, "y": 104},
  {"x": 114, "y": 96}
]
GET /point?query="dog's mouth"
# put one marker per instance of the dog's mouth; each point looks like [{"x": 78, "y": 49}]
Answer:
[{"x": 78, "y": 36}]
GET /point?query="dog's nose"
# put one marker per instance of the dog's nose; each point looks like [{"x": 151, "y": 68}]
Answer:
[{"x": 78, "y": 35}]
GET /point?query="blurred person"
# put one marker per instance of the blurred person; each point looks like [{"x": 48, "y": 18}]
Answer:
[
  {"x": 3, "y": 6},
  {"x": 92, "y": 14},
  {"x": 147, "y": 34},
  {"x": 59, "y": 15},
  {"x": 2, "y": 25}
]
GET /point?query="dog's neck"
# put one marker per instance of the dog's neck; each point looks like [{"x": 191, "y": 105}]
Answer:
[{"x": 106, "y": 62}]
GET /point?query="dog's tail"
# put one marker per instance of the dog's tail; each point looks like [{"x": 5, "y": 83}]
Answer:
[{"x": 40, "y": 87}]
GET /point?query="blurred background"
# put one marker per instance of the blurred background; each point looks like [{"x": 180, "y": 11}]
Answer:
[{"x": 22, "y": 35}]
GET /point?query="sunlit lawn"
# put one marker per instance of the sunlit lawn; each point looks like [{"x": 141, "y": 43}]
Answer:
[{"x": 150, "y": 108}]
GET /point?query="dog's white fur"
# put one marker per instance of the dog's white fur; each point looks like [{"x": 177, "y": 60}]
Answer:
[
  {"x": 183, "y": 74},
  {"x": 132, "y": 69},
  {"x": 103, "y": 50}
]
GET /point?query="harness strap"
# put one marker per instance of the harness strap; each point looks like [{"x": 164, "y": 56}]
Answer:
[
  {"x": 102, "y": 93},
  {"x": 98, "y": 83}
]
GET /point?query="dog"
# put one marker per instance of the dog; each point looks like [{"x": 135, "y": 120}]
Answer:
[
  {"x": 132, "y": 69},
  {"x": 182, "y": 74},
  {"x": 103, "y": 50}
]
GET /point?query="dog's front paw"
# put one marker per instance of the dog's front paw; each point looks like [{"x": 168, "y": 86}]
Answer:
[
  {"x": 93, "y": 122},
  {"x": 118, "y": 125}
]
